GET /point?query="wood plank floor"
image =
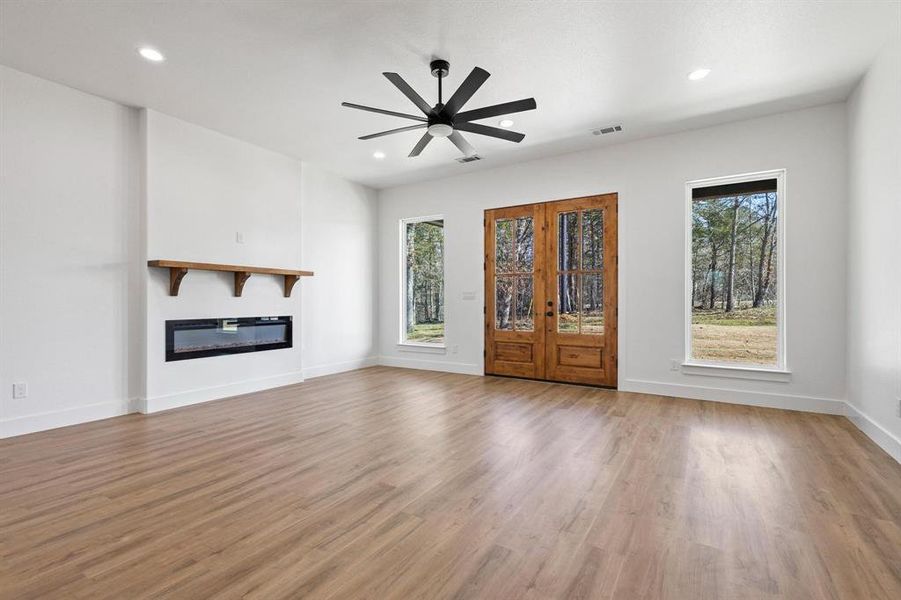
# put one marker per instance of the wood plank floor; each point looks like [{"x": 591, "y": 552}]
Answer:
[{"x": 389, "y": 483}]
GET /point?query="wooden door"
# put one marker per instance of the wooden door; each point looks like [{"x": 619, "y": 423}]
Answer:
[
  {"x": 514, "y": 290},
  {"x": 581, "y": 258},
  {"x": 550, "y": 290}
]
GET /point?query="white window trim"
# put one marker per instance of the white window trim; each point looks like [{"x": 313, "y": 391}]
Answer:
[
  {"x": 779, "y": 371},
  {"x": 402, "y": 343},
  {"x": 736, "y": 371},
  {"x": 422, "y": 347}
]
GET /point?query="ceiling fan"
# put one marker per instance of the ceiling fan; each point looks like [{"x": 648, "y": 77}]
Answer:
[{"x": 445, "y": 119}]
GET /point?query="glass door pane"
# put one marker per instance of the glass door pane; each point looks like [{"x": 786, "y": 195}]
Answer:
[
  {"x": 525, "y": 245},
  {"x": 592, "y": 305},
  {"x": 580, "y": 272},
  {"x": 524, "y": 303},
  {"x": 592, "y": 240},
  {"x": 503, "y": 303},
  {"x": 568, "y": 241},
  {"x": 514, "y": 256},
  {"x": 568, "y": 303},
  {"x": 503, "y": 246}
]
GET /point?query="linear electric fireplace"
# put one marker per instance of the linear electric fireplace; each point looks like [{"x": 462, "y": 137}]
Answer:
[{"x": 198, "y": 338}]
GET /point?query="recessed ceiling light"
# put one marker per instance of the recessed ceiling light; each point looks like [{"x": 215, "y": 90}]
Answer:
[
  {"x": 151, "y": 54},
  {"x": 378, "y": 154},
  {"x": 698, "y": 74},
  {"x": 505, "y": 123}
]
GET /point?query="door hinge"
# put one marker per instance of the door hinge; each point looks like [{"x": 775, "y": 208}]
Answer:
[{"x": 484, "y": 353}]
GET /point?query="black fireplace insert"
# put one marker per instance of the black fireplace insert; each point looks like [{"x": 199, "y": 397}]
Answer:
[{"x": 199, "y": 338}]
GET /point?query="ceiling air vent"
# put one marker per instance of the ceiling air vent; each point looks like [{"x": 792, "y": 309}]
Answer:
[
  {"x": 606, "y": 130},
  {"x": 466, "y": 159}
]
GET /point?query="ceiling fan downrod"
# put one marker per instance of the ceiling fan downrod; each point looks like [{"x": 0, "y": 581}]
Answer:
[{"x": 440, "y": 68}]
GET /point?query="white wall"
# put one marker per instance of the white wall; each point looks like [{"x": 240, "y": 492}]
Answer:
[
  {"x": 340, "y": 302},
  {"x": 90, "y": 189},
  {"x": 69, "y": 255},
  {"x": 202, "y": 188},
  {"x": 650, "y": 177},
  {"x": 874, "y": 251}
]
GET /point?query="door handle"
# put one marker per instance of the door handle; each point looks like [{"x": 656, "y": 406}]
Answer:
[{"x": 549, "y": 313}]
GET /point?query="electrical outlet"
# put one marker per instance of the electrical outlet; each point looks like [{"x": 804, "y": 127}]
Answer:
[
  {"x": 20, "y": 390},
  {"x": 455, "y": 349},
  {"x": 674, "y": 364},
  {"x": 239, "y": 237}
]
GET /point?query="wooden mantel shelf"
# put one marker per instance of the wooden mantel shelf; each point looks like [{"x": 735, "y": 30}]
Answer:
[{"x": 178, "y": 269}]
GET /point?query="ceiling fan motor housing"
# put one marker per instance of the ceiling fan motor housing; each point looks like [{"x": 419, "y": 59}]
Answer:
[{"x": 440, "y": 68}]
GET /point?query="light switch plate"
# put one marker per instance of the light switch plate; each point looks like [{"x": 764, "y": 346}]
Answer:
[{"x": 20, "y": 390}]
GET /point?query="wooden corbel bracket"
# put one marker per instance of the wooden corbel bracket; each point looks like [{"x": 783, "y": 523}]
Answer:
[
  {"x": 241, "y": 278},
  {"x": 176, "y": 274},
  {"x": 290, "y": 280}
]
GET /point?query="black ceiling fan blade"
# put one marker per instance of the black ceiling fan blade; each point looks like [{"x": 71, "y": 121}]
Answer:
[
  {"x": 497, "y": 110},
  {"x": 461, "y": 144},
  {"x": 390, "y": 131},
  {"x": 469, "y": 87},
  {"x": 382, "y": 111},
  {"x": 504, "y": 134},
  {"x": 409, "y": 92},
  {"x": 421, "y": 144}
]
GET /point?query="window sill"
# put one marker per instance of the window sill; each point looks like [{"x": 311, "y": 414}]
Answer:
[
  {"x": 737, "y": 372},
  {"x": 423, "y": 348}
]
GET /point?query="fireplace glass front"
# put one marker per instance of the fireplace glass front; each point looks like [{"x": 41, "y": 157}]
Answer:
[{"x": 199, "y": 338}]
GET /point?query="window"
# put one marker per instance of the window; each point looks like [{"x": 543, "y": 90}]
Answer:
[
  {"x": 735, "y": 282},
  {"x": 422, "y": 281}
]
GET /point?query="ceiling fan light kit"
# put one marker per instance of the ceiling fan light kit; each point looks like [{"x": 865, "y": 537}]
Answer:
[
  {"x": 440, "y": 130},
  {"x": 445, "y": 119}
]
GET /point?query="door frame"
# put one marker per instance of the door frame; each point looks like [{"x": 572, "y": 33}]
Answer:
[{"x": 611, "y": 323}]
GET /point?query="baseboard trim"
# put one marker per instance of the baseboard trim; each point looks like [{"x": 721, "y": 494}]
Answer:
[
  {"x": 64, "y": 418},
  {"x": 430, "y": 365},
  {"x": 340, "y": 367},
  {"x": 732, "y": 396},
  {"x": 159, "y": 403},
  {"x": 876, "y": 432}
]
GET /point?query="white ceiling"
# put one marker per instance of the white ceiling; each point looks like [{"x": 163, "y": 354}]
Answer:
[{"x": 274, "y": 72}]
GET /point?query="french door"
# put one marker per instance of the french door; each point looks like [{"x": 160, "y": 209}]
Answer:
[{"x": 550, "y": 290}]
